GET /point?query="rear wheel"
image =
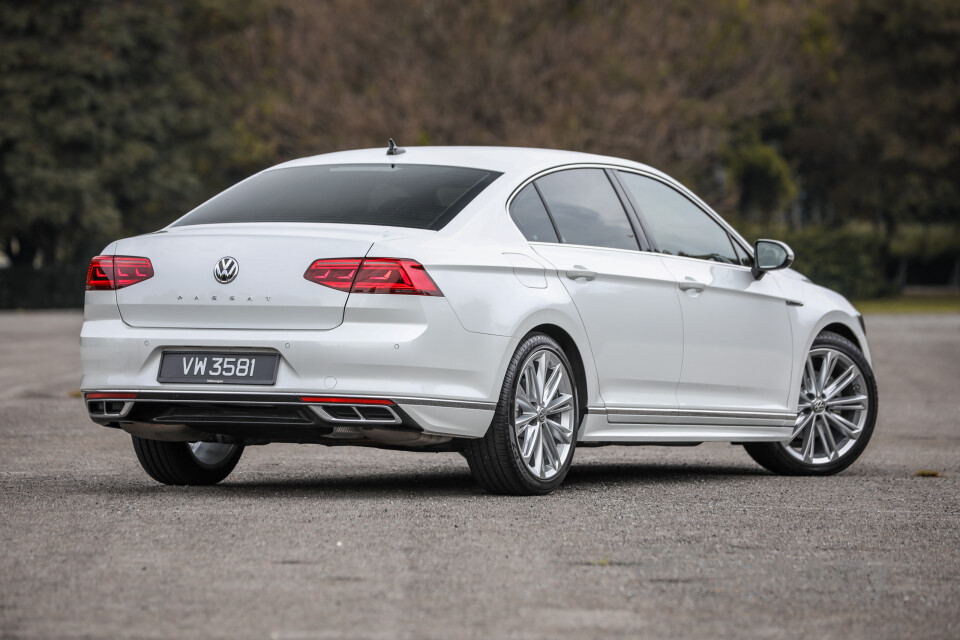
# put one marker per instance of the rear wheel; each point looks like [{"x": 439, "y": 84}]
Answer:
[
  {"x": 187, "y": 463},
  {"x": 835, "y": 415},
  {"x": 529, "y": 446}
]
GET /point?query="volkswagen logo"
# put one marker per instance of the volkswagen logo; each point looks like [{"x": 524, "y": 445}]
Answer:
[{"x": 226, "y": 270}]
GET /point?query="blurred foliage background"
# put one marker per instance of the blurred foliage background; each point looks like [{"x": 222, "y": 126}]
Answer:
[{"x": 831, "y": 124}]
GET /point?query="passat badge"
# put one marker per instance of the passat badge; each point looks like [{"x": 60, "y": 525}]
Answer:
[{"x": 226, "y": 270}]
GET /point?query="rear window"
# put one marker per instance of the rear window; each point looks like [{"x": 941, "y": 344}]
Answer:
[{"x": 417, "y": 196}]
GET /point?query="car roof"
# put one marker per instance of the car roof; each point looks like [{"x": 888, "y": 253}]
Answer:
[{"x": 502, "y": 159}]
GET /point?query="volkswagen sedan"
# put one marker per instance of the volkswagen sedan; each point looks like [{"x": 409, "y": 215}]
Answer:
[{"x": 508, "y": 304}]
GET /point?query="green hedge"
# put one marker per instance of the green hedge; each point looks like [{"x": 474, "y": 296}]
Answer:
[
  {"x": 849, "y": 259},
  {"x": 56, "y": 287},
  {"x": 846, "y": 260}
]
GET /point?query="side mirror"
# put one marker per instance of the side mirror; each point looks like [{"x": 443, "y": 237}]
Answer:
[{"x": 770, "y": 255}]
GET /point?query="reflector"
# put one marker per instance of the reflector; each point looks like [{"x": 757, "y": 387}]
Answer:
[
  {"x": 110, "y": 396},
  {"x": 336, "y": 400}
]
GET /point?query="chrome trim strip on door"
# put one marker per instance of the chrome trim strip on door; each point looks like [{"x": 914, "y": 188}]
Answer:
[{"x": 640, "y": 415}]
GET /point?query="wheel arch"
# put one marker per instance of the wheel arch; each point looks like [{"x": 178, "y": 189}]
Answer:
[
  {"x": 845, "y": 331},
  {"x": 838, "y": 322},
  {"x": 569, "y": 346}
]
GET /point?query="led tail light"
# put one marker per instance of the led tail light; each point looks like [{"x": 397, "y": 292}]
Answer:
[
  {"x": 338, "y": 274},
  {"x": 107, "y": 273},
  {"x": 373, "y": 275}
]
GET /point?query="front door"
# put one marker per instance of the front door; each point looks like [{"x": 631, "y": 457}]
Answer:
[{"x": 737, "y": 345}]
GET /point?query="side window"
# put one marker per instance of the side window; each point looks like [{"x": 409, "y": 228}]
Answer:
[
  {"x": 531, "y": 217},
  {"x": 679, "y": 227},
  {"x": 586, "y": 209}
]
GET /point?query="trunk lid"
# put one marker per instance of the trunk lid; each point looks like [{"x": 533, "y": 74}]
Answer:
[{"x": 268, "y": 290}]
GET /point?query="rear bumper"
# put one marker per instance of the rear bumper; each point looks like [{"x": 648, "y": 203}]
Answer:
[
  {"x": 444, "y": 379},
  {"x": 280, "y": 417}
]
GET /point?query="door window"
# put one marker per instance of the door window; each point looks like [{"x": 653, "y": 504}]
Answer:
[
  {"x": 679, "y": 227},
  {"x": 586, "y": 209}
]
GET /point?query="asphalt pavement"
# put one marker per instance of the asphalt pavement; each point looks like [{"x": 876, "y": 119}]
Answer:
[{"x": 305, "y": 541}]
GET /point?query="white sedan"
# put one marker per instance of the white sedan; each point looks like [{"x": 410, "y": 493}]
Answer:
[{"x": 510, "y": 304}]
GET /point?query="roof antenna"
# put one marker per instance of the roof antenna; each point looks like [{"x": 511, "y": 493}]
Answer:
[{"x": 393, "y": 149}]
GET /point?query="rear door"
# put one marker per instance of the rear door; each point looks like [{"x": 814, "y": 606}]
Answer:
[{"x": 625, "y": 297}]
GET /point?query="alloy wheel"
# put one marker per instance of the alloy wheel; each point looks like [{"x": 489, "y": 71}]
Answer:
[
  {"x": 543, "y": 413},
  {"x": 833, "y": 408},
  {"x": 210, "y": 454}
]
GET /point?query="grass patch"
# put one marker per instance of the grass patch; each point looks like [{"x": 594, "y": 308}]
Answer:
[
  {"x": 911, "y": 304},
  {"x": 928, "y": 473},
  {"x": 74, "y": 394}
]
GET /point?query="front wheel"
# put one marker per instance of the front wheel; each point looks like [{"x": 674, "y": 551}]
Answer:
[
  {"x": 529, "y": 446},
  {"x": 187, "y": 463},
  {"x": 836, "y": 413}
]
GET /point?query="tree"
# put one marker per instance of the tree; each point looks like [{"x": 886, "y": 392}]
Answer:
[
  {"x": 108, "y": 124},
  {"x": 879, "y": 134}
]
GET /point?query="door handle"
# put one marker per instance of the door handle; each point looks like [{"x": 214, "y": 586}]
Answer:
[
  {"x": 691, "y": 286},
  {"x": 580, "y": 271}
]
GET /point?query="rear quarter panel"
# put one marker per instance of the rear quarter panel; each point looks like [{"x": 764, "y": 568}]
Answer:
[{"x": 497, "y": 285}]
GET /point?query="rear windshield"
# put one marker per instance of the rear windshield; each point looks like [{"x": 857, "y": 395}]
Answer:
[{"x": 418, "y": 196}]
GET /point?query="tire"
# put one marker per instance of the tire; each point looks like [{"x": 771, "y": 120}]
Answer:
[
  {"x": 187, "y": 463},
  {"x": 537, "y": 460},
  {"x": 835, "y": 416}
]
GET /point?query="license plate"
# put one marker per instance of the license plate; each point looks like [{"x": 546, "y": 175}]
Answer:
[{"x": 218, "y": 368}]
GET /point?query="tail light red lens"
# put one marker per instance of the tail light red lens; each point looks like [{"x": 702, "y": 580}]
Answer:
[
  {"x": 373, "y": 275},
  {"x": 338, "y": 274},
  {"x": 107, "y": 273}
]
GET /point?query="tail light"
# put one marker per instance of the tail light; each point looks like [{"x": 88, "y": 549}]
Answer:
[
  {"x": 373, "y": 275},
  {"x": 337, "y": 274},
  {"x": 107, "y": 273}
]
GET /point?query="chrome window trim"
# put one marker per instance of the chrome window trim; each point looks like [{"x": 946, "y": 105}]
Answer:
[
  {"x": 703, "y": 206},
  {"x": 676, "y": 186}
]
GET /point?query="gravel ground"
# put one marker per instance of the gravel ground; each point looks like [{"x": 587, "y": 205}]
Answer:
[{"x": 313, "y": 542}]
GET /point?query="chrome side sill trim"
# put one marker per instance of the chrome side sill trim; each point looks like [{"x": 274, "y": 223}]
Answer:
[
  {"x": 704, "y": 417},
  {"x": 699, "y": 413}
]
